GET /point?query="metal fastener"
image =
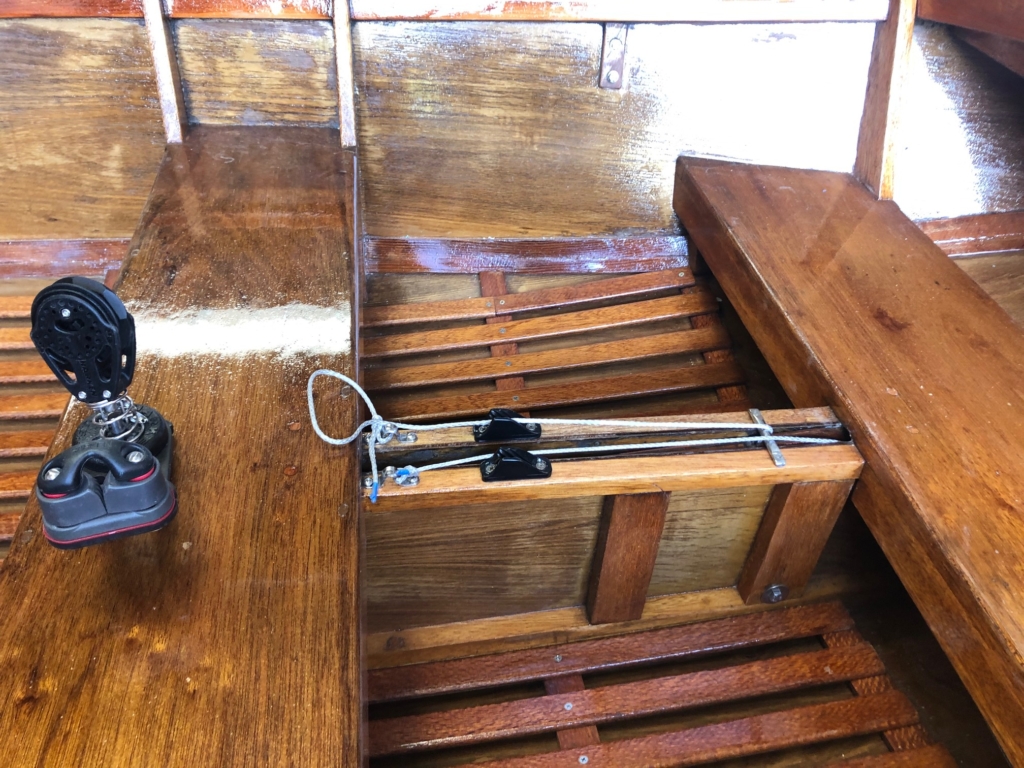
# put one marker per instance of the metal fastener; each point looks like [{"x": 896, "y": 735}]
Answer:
[
  {"x": 65, "y": 312},
  {"x": 776, "y": 593},
  {"x": 613, "y": 76},
  {"x": 81, "y": 395},
  {"x": 501, "y": 330},
  {"x": 568, "y": 706},
  {"x": 508, "y": 363},
  {"x": 558, "y": 657},
  {"x": 488, "y": 468},
  {"x": 106, "y": 394},
  {"x": 516, "y": 398},
  {"x": 502, "y": 302},
  {"x": 136, "y": 456},
  {"x": 682, "y": 274},
  {"x": 533, "y": 427},
  {"x": 52, "y": 473},
  {"x": 407, "y": 437},
  {"x": 368, "y": 481},
  {"x": 489, "y": 304},
  {"x": 540, "y": 464},
  {"x": 584, "y": 759}
]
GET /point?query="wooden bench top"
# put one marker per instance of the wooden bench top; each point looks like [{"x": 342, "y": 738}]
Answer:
[
  {"x": 855, "y": 307},
  {"x": 232, "y": 636}
]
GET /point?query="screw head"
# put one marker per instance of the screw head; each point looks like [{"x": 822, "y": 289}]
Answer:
[
  {"x": 136, "y": 456},
  {"x": 407, "y": 437},
  {"x": 502, "y": 302},
  {"x": 501, "y": 330},
  {"x": 558, "y": 657},
  {"x": 540, "y": 464},
  {"x": 65, "y": 312},
  {"x": 613, "y": 77},
  {"x": 106, "y": 394},
  {"x": 81, "y": 395},
  {"x": 568, "y": 706},
  {"x": 776, "y": 593},
  {"x": 368, "y": 481},
  {"x": 508, "y": 362},
  {"x": 52, "y": 473},
  {"x": 516, "y": 398},
  {"x": 488, "y": 468},
  {"x": 533, "y": 427},
  {"x": 584, "y": 759}
]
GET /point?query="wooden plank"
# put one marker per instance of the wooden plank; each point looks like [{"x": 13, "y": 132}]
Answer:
[
  {"x": 610, "y": 10},
  {"x": 526, "y": 301},
  {"x": 617, "y": 316},
  {"x": 165, "y": 64},
  {"x": 713, "y": 321},
  {"x": 591, "y": 391},
  {"x": 909, "y": 351},
  {"x": 796, "y": 524},
  {"x": 32, "y": 443},
  {"x": 15, "y": 307},
  {"x": 15, "y": 338},
  {"x": 736, "y": 738},
  {"x": 580, "y": 736},
  {"x": 25, "y": 9},
  {"x": 180, "y": 9},
  {"x": 649, "y": 474},
  {"x": 59, "y": 258},
  {"x": 1001, "y": 276},
  {"x": 24, "y": 372},
  {"x": 345, "y": 78},
  {"x": 8, "y": 526},
  {"x": 492, "y": 284},
  {"x": 1008, "y": 52},
  {"x": 890, "y": 60},
  {"x": 606, "y": 704},
  {"x": 972, "y": 235},
  {"x": 76, "y": 98},
  {"x": 570, "y": 358},
  {"x": 258, "y": 72},
  {"x": 16, "y": 485},
  {"x": 229, "y": 589},
  {"x": 548, "y": 256},
  {"x": 627, "y": 546},
  {"x": 934, "y": 756},
  {"x": 48, "y": 406},
  {"x": 1000, "y": 17},
  {"x": 417, "y": 680}
]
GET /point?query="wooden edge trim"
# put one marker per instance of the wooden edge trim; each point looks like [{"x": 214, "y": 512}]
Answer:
[
  {"x": 975, "y": 235},
  {"x": 933, "y": 756},
  {"x": 996, "y": 16},
  {"x": 550, "y": 256},
  {"x": 560, "y": 657},
  {"x": 602, "y": 477},
  {"x": 168, "y": 79},
  {"x": 57, "y": 258},
  {"x": 346, "y": 78},
  {"x": 176, "y": 9},
  {"x": 1005, "y": 50}
]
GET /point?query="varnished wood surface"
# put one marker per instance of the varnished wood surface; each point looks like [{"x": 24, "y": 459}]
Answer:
[
  {"x": 58, "y": 258},
  {"x": 934, "y": 756},
  {"x": 1002, "y": 17},
  {"x": 853, "y": 305},
  {"x": 80, "y": 128},
  {"x": 1005, "y": 50},
  {"x": 181, "y": 9},
  {"x": 1001, "y": 275},
  {"x": 232, "y": 636},
  {"x": 972, "y": 235},
  {"x": 543, "y": 152}
]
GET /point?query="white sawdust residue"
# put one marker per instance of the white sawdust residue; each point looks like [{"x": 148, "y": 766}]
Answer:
[{"x": 286, "y": 331}]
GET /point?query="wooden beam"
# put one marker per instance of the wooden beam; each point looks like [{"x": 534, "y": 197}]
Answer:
[
  {"x": 21, "y": 407},
  {"x": 346, "y": 80},
  {"x": 577, "y": 736},
  {"x": 1000, "y": 17},
  {"x": 59, "y": 258},
  {"x": 890, "y": 59},
  {"x": 177, "y": 9},
  {"x": 852, "y": 305},
  {"x": 796, "y": 524},
  {"x": 16, "y": 485},
  {"x": 974, "y": 235},
  {"x": 168, "y": 80},
  {"x": 627, "y": 547}
]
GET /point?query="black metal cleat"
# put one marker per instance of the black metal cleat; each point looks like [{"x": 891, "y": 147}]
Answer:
[
  {"x": 514, "y": 464},
  {"x": 504, "y": 428}
]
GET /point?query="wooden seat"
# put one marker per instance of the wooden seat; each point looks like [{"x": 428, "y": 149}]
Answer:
[
  {"x": 594, "y": 697},
  {"x": 579, "y": 344}
]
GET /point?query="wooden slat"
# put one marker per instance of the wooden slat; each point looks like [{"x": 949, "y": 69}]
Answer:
[
  {"x": 640, "y": 348},
  {"x": 46, "y": 406},
  {"x": 1000, "y": 17},
  {"x": 15, "y": 307},
  {"x": 15, "y": 9},
  {"x": 972, "y": 235},
  {"x": 1008, "y": 52},
  {"x": 492, "y": 284},
  {"x": 179, "y": 9},
  {"x": 345, "y": 79},
  {"x": 612, "y": 10},
  {"x": 24, "y": 372},
  {"x": 18, "y": 444},
  {"x": 736, "y": 738},
  {"x": 618, "y": 316},
  {"x": 600, "y": 477},
  {"x": 579, "y": 255},
  {"x": 165, "y": 65},
  {"x": 579, "y": 736},
  {"x": 59, "y": 258},
  {"x": 510, "y": 304},
  {"x": 796, "y": 524},
  {"x": 934, "y": 756},
  {"x": 396, "y": 683},
  {"x": 8, "y": 525},
  {"x": 616, "y": 702},
  {"x": 624, "y": 556},
  {"x": 16, "y": 485},
  {"x": 591, "y": 391},
  {"x": 15, "y": 338}
]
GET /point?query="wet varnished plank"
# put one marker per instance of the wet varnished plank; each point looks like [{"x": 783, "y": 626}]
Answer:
[
  {"x": 232, "y": 636},
  {"x": 854, "y": 306}
]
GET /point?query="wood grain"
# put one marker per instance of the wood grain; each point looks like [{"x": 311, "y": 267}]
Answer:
[
  {"x": 649, "y": 474},
  {"x": 37, "y": 406},
  {"x": 796, "y": 524},
  {"x": 15, "y": 338},
  {"x": 609, "y": 10},
  {"x": 908, "y": 351},
  {"x": 609, "y": 388},
  {"x": 624, "y": 556},
  {"x": 59, "y": 258},
  {"x": 16, "y": 485},
  {"x": 737, "y": 738},
  {"x": 81, "y": 132},
  {"x": 1001, "y": 17},
  {"x": 165, "y": 66},
  {"x": 580, "y": 736},
  {"x": 659, "y": 695},
  {"x": 24, "y": 372},
  {"x": 934, "y": 756},
  {"x": 624, "y": 650},
  {"x": 344, "y": 77},
  {"x": 30, "y": 443},
  {"x": 890, "y": 59},
  {"x": 183, "y": 642},
  {"x": 1001, "y": 276},
  {"x": 258, "y": 72},
  {"x": 181, "y": 9},
  {"x": 15, "y": 307},
  {"x": 1005, "y": 50},
  {"x": 522, "y": 256},
  {"x": 973, "y": 235}
]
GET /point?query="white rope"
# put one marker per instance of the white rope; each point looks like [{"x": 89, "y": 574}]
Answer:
[{"x": 382, "y": 431}]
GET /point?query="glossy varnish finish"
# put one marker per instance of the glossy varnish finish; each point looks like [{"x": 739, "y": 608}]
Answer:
[
  {"x": 853, "y": 305},
  {"x": 232, "y": 636}
]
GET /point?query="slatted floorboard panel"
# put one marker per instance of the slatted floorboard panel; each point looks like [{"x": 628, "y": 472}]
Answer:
[
  {"x": 774, "y": 682},
  {"x": 620, "y": 338}
]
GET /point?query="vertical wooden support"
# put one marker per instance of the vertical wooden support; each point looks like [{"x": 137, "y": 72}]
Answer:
[
  {"x": 889, "y": 61},
  {"x": 572, "y": 738},
  {"x": 346, "y": 81},
  {"x": 794, "y": 529},
  {"x": 492, "y": 284},
  {"x": 168, "y": 79},
  {"x": 736, "y": 394},
  {"x": 627, "y": 546}
]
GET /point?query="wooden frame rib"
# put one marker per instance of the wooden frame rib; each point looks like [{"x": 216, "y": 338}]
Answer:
[
  {"x": 346, "y": 79},
  {"x": 168, "y": 79}
]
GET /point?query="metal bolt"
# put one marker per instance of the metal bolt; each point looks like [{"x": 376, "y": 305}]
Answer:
[
  {"x": 488, "y": 468},
  {"x": 584, "y": 759},
  {"x": 776, "y": 593},
  {"x": 508, "y": 363},
  {"x": 65, "y": 312},
  {"x": 489, "y": 304},
  {"x": 81, "y": 395},
  {"x": 516, "y": 398},
  {"x": 407, "y": 437},
  {"x": 540, "y": 464},
  {"x": 533, "y": 427},
  {"x": 502, "y": 302},
  {"x": 501, "y": 330},
  {"x": 613, "y": 76},
  {"x": 558, "y": 657},
  {"x": 568, "y": 706},
  {"x": 368, "y": 481},
  {"x": 682, "y": 274},
  {"x": 52, "y": 473},
  {"x": 136, "y": 456},
  {"x": 106, "y": 394}
]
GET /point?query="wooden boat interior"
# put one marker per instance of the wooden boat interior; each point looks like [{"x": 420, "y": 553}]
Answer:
[{"x": 654, "y": 231}]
